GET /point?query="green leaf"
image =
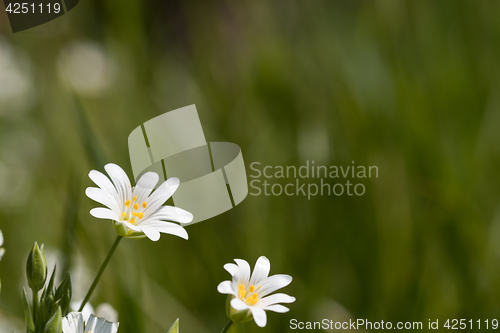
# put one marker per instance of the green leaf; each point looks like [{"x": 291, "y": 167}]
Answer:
[
  {"x": 64, "y": 293},
  {"x": 49, "y": 289},
  {"x": 175, "y": 327},
  {"x": 30, "y": 326},
  {"x": 54, "y": 325}
]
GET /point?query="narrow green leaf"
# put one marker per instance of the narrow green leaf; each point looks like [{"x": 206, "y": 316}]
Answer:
[
  {"x": 49, "y": 289},
  {"x": 175, "y": 327},
  {"x": 64, "y": 293},
  {"x": 30, "y": 326}
]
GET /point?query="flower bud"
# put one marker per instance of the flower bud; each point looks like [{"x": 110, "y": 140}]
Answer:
[
  {"x": 36, "y": 268},
  {"x": 54, "y": 325}
]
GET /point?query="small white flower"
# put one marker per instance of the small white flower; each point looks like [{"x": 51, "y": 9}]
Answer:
[
  {"x": 87, "y": 311},
  {"x": 74, "y": 323},
  {"x": 104, "y": 310},
  {"x": 249, "y": 293},
  {"x": 2, "y": 250},
  {"x": 135, "y": 211}
]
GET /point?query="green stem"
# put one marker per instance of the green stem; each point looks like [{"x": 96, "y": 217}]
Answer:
[
  {"x": 228, "y": 325},
  {"x": 101, "y": 270},
  {"x": 35, "y": 306}
]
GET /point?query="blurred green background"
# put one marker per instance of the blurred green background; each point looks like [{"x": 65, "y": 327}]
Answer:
[{"x": 409, "y": 86}]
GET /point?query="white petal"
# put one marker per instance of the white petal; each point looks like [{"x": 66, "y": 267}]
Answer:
[
  {"x": 273, "y": 283},
  {"x": 232, "y": 269},
  {"x": 103, "y": 182},
  {"x": 275, "y": 299},
  {"x": 239, "y": 305},
  {"x": 1, "y": 238},
  {"x": 2, "y": 252},
  {"x": 151, "y": 232},
  {"x": 104, "y": 213},
  {"x": 277, "y": 308},
  {"x": 167, "y": 228},
  {"x": 88, "y": 309},
  {"x": 131, "y": 226},
  {"x": 100, "y": 325},
  {"x": 102, "y": 197},
  {"x": 169, "y": 213},
  {"x": 261, "y": 270},
  {"x": 120, "y": 180},
  {"x": 145, "y": 186},
  {"x": 72, "y": 323},
  {"x": 259, "y": 316},
  {"x": 161, "y": 194},
  {"x": 107, "y": 311},
  {"x": 226, "y": 287},
  {"x": 244, "y": 273}
]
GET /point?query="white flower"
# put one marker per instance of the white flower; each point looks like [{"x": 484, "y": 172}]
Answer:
[
  {"x": 74, "y": 323},
  {"x": 104, "y": 310},
  {"x": 249, "y": 292},
  {"x": 87, "y": 311},
  {"x": 135, "y": 211},
  {"x": 2, "y": 250}
]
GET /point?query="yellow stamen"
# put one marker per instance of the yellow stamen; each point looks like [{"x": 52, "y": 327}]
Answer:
[
  {"x": 124, "y": 214},
  {"x": 242, "y": 294},
  {"x": 254, "y": 299},
  {"x": 144, "y": 204},
  {"x": 139, "y": 215},
  {"x": 132, "y": 221},
  {"x": 136, "y": 206},
  {"x": 241, "y": 287},
  {"x": 252, "y": 288},
  {"x": 127, "y": 203},
  {"x": 134, "y": 198}
]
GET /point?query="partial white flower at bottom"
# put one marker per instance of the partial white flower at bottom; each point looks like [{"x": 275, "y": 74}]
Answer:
[
  {"x": 87, "y": 311},
  {"x": 248, "y": 295},
  {"x": 2, "y": 250},
  {"x": 104, "y": 310},
  {"x": 74, "y": 323}
]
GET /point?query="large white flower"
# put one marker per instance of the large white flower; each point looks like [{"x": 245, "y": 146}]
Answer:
[
  {"x": 135, "y": 211},
  {"x": 2, "y": 250},
  {"x": 248, "y": 293},
  {"x": 74, "y": 323}
]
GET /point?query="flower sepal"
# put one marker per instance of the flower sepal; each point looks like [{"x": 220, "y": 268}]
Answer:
[
  {"x": 237, "y": 316},
  {"x": 175, "y": 327},
  {"x": 122, "y": 230}
]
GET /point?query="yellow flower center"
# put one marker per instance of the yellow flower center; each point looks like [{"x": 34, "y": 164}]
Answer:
[
  {"x": 135, "y": 211},
  {"x": 253, "y": 296}
]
